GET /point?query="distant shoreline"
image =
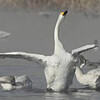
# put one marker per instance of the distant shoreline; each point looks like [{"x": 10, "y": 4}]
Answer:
[
  {"x": 87, "y": 7},
  {"x": 81, "y": 5}
]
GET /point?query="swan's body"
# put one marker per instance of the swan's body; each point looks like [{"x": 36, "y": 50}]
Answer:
[
  {"x": 15, "y": 82},
  {"x": 59, "y": 68},
  {"x": 91, "y": 78}
]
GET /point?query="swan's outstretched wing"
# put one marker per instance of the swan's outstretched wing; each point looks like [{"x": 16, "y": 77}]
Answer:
[
  {"x": 23, "y": 55},
  {"x": 84, "y": 48}
]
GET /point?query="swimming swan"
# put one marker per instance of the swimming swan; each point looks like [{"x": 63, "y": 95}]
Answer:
[
  {"x": 15, "y": 82},
  {"x": 59, "y": 69},
  {"x": 91, "y": 78}
]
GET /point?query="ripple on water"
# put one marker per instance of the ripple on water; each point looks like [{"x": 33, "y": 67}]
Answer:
[{"x": 39, "y": 94}]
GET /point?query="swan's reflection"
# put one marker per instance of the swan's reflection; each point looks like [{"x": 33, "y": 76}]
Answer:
[{"x": 57, "y": 96}]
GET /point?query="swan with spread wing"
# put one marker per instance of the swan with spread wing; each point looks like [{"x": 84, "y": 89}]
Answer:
[{"x": 59, "y": 67}]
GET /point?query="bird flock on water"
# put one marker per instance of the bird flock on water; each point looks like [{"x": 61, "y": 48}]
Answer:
[{"x": 59, "y": 68}]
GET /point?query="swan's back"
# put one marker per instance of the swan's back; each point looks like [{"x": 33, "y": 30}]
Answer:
[{"x": 94, "y": 71}]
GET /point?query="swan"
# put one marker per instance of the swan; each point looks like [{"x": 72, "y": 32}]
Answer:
[
  {"x": 90, "y": 79},
  {"x": 15, "y": 82},
  {"x": 59, "y": 70}
]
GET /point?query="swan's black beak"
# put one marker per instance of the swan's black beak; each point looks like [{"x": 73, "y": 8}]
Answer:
[{"x": 64, "y": 13}]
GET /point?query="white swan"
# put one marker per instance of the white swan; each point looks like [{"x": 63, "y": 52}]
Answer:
[
  {"x": 59, "y": 67},
  {"x": 15, "y": 82},
  {"x": 91, "y": 78}
]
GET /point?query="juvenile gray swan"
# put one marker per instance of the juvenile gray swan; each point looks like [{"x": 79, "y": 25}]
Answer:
[{"x": 59, "y": 67}]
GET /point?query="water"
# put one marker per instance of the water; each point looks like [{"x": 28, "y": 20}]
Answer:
[
  {"x": 33, "y": 32},
  {"x": 39, "y": 86}
]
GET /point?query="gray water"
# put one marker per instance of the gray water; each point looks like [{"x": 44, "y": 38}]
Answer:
[{"x": 33, "y": 32}]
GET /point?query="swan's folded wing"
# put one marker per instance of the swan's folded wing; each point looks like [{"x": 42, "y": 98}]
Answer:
[{"x": 23, "y": 55}]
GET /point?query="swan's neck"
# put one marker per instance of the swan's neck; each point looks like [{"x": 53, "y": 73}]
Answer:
[
  {"x": 79, "y": 74},
  {"x": 58, "y": 45}
]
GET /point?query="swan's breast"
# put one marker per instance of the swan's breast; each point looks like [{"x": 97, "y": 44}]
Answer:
[{"x": 59, "y": 72}]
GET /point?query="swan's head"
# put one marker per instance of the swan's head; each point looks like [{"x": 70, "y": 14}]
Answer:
[
  {"x": 7, "y": 79},
  {"x": 62, "y": 15}
]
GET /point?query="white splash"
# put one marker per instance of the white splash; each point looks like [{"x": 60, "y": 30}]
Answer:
[{"x": 4, "y": 34}]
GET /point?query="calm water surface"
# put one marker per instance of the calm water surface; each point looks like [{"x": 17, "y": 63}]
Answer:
[{"x": 33, "y": 32}]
